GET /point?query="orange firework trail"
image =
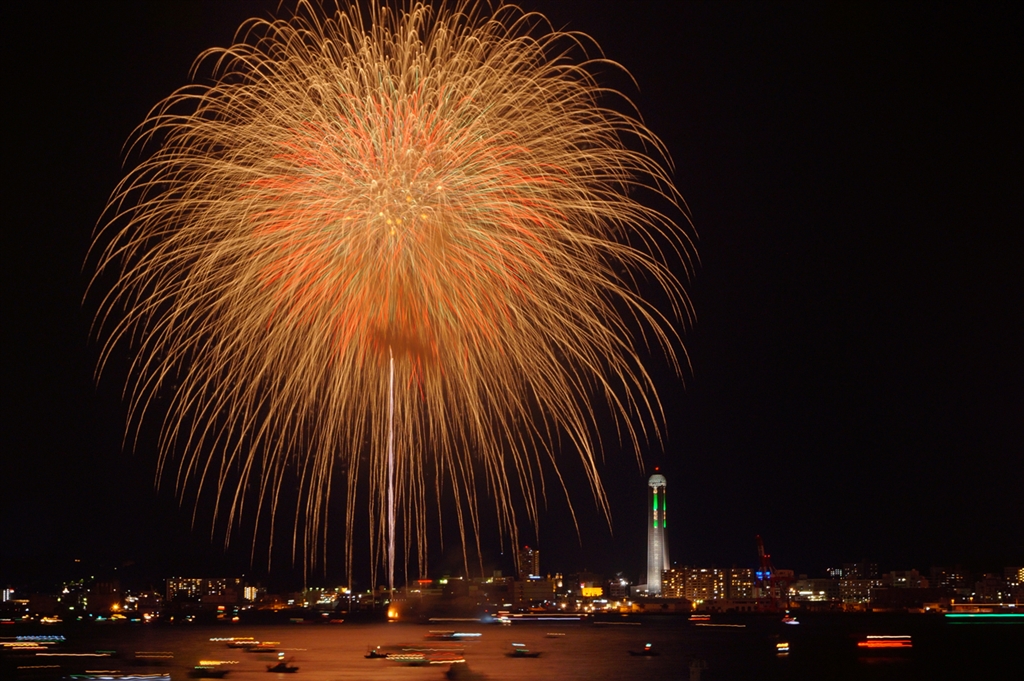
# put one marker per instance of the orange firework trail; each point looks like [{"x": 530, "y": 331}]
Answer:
[{"x": 435, "y": 200}]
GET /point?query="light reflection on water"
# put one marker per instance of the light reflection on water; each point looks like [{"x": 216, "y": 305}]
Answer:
[
  {"x": 819, "y": 649},
  {"x": 336, "y": 652}
]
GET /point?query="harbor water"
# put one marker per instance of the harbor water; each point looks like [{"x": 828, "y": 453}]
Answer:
[{"x": 756, "y": 648}]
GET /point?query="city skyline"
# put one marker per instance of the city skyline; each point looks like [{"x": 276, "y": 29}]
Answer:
[
  {"x": 745, "y": 589},
  {"x": 854, "y": 380}
]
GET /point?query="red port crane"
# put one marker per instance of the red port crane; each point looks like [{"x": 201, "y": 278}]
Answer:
[{"x": 768, "y": 591}]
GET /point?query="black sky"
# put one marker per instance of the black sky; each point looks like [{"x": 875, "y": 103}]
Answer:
[{"x": 853, "y": 172}]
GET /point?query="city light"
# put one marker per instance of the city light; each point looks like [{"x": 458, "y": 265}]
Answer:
[{"x": 885, "y": 641}]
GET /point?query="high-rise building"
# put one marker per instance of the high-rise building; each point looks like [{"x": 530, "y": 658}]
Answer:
[
  {"x": 657, "y": 542},
  {"x": 529, "y": 562},
  {"x": 184, "y": 588},
  {"x": 708, "y": 584},
  {"x": 205, "y": 589},
  {"x": 739, "y": 583},
  {"x": 694, "y": 584}
]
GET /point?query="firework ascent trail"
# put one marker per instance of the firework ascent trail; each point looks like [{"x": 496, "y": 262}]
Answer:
[{"x": 403, "y": 245}]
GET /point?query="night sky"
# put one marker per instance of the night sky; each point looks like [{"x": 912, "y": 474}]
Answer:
[{"x": 853, "y": 173}]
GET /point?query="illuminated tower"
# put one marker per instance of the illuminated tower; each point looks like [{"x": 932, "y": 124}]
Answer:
[{"x": 657, "y": 543}]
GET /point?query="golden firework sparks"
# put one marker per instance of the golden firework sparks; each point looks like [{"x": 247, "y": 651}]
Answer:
[{"x": 439, "y": 200}]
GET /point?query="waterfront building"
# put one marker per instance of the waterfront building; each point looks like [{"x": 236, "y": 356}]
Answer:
[
  {"x": 673, "y": 582},
  {"x": 816, "y": 590},
  {"x": 954, "y": 578},
  {"x": 861, "y": 570},
  {"x": 704, "y": 584},
  {"x": 857, "y": 591},
  {"x": 905, "y": 579},
  {"x": 698, "y": 585},
  {"x": 740, "y": 583},
  {"x": 208, "y": 590},
  {"x": 184, "y": 588},
  {"x": 535, "y": 591},
  {"x": 617, "y": 588}
]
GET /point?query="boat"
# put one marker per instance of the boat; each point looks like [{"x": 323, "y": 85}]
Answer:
[
  {"x": 648, "y": 651},
  {"x": 263, "y": 647},
  {"x": 409, "y": 658},
  {"x": 282, "y": 667},
  {"x": 115, "y": 676},
  {"x": 207, "y": 672},
  {"x": 520, "y": 650},
  {"x": 375, "y": 654},
  {"x": 435, "y": 635},
  {"x": 151, "y": 658},
  {"x": 886, "y": 641}
]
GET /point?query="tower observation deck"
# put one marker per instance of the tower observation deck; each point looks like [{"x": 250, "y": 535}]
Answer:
[{"x": 657, "y": 542}]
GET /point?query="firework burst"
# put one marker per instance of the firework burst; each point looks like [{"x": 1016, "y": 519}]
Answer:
[{"x": 400, "y": 244}]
